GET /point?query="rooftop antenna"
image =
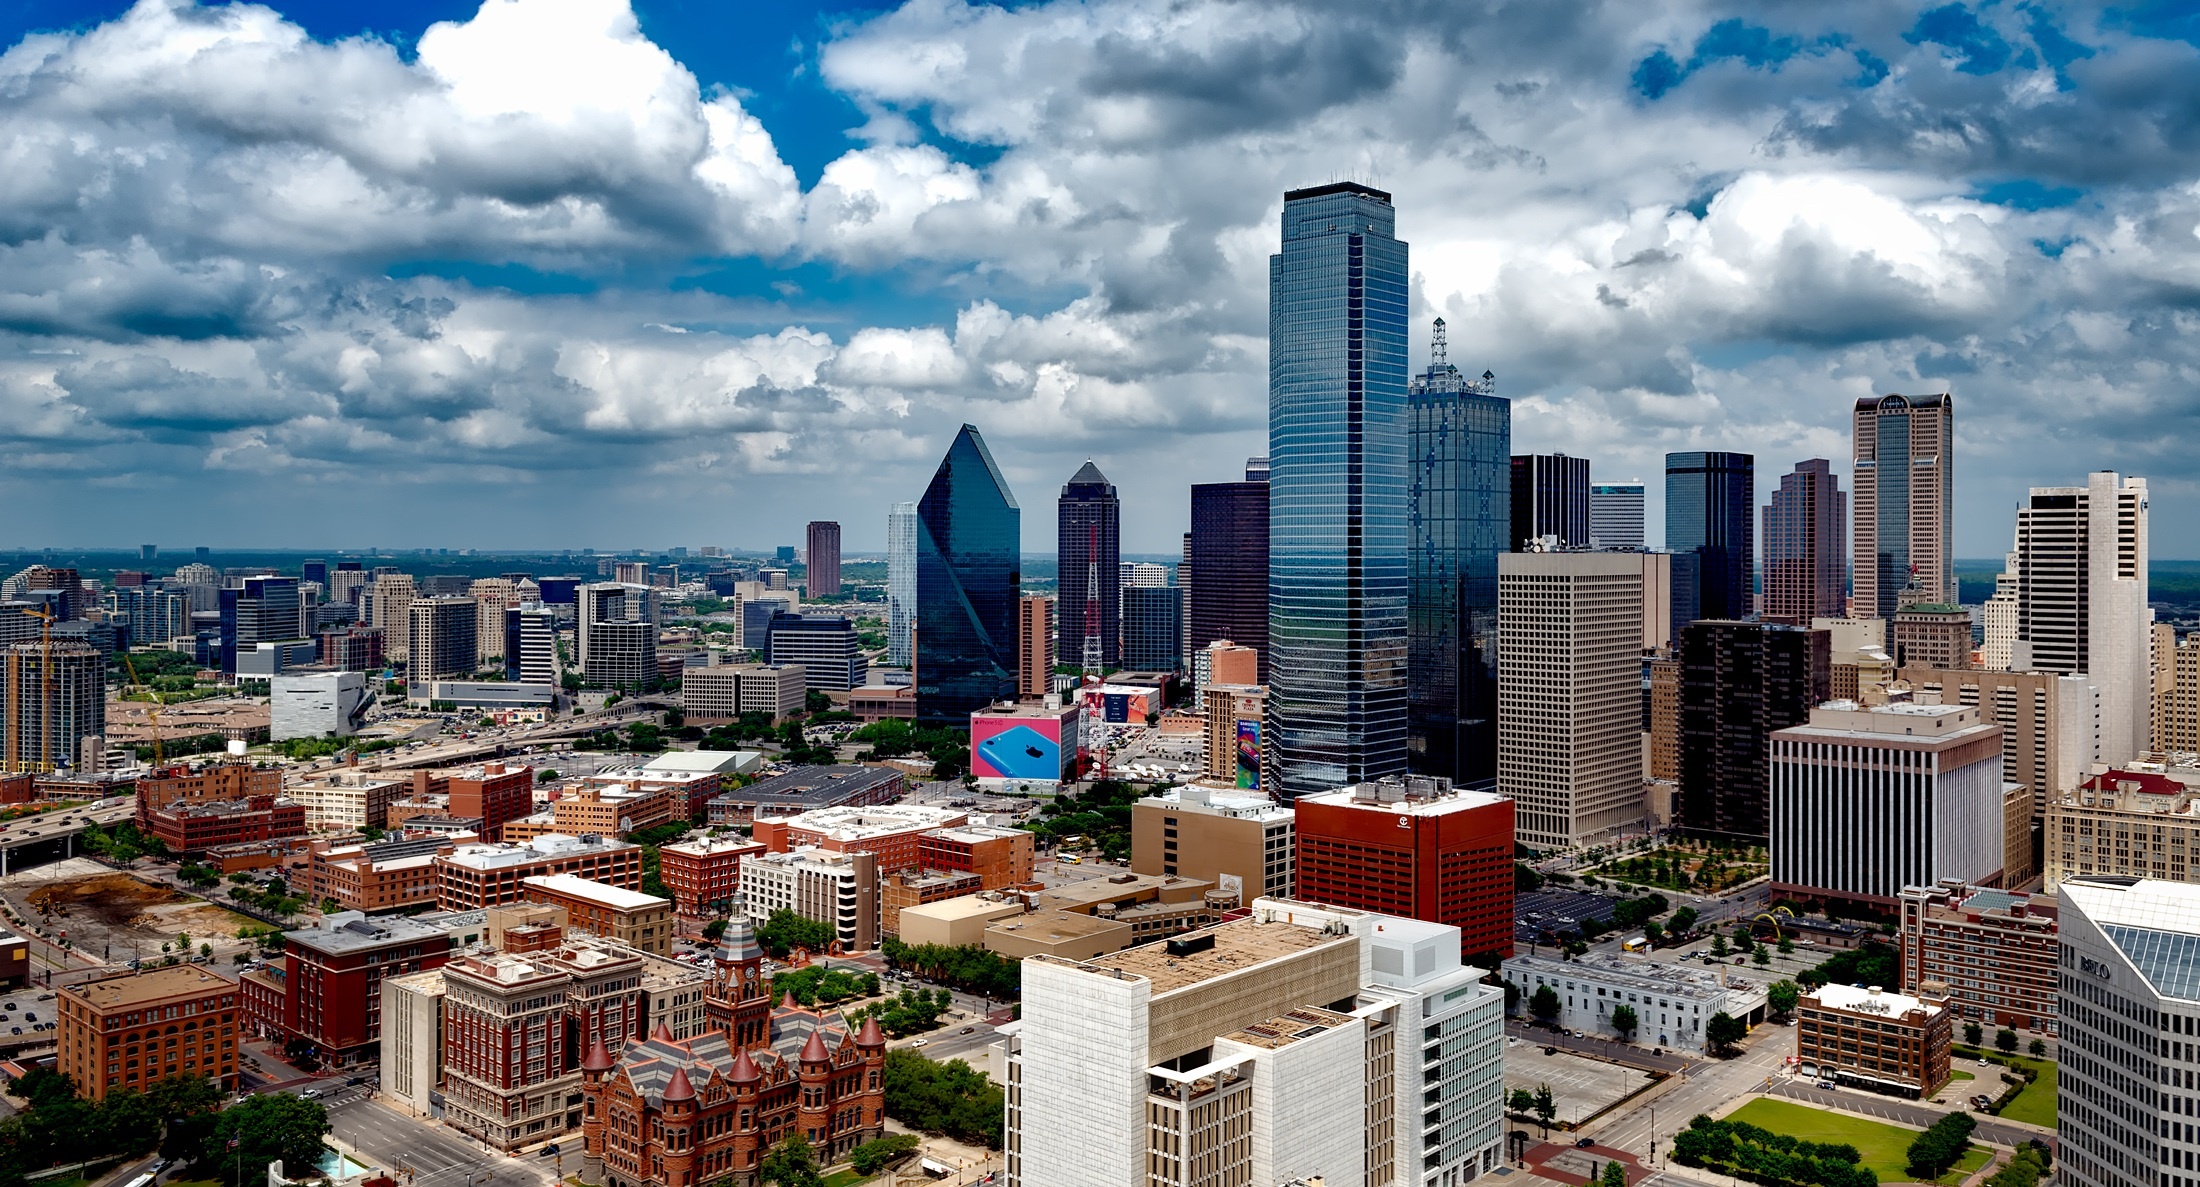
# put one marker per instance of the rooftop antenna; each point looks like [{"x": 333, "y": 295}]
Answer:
[{"x": 1437, "y": 352}]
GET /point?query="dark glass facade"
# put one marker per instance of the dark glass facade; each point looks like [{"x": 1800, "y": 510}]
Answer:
[
  {"x": 1711, "y": 511},
  {"x": 1806, "y": 546},
  {"x": 1089, "y": 548},
  {"x": 1739, "y": 682},
  {"x": 1229, "y": 563},
  {"x": 1550, "y": 497},
  {"x": 1153, "y": 628},
  {"x": 1337, "y": 296},
  {"x": 969, "y": 538},
  {"x": 1460, "y": 518}
]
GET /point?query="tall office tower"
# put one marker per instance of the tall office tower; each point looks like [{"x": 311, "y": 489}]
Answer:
[
  {"x": 1229, "y": 553},
  {"x": 1569, "y": 699},
  {"x": 1740, "y": 681},
  {"x": 148, "y": 552},
  {"x": 445, "y": 645},
  {"x": 494, "y": 595},
  {"x": 346, "y": 585},
  {"x": 1805, "y": 554},
  {"x": 1184, "y": 585},
  {"x": 824, "y": 646},
  {"x": 314, "y": 571},
  {"x": 822, "y": 559},
  {"x": 2129, "y": 1024},
  {"x": 56, "y": 696},
  {"x": 531, "y": 644},
  {"x": 1089, "y": 552},
  {"x": 901, "y": 581},
  {"x": 262, "y": 610},
  {"x": 969, "y": 538},
  {"x": 615, "y": 634},
  {"x": 630, "y": 572},
  {"x": 392, "y": 595},
  {"x": 1153, "y": 628},
  {"x": 1337, "y": 492},
  {"x": 1415, "y": 846},
  {"x": 2082, "y": 598},
  {"x": 2162, "y": 643},
  {"x": 1905, "y": 501},
  {"x": 1615, "y": 514},
  {"x": 1034, "y": 645},
  {"x": 1550, "y": 497},
  {"x": 2180, "y": 699},
  {"x": 1459, "y": 469},
  {"x": 1998, "y": 642},
  {"x": 1710, "y": 517}
]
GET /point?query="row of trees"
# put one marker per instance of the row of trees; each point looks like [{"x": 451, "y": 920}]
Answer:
[
  {"x": 1746, "y": 1151},
  {"x": 178, "y": 1116},
  {"x": 815, "y": 984},
  {"x": 1869, "y": 963},
  {"x": 971, "y": 968},
  {"x": 121, "y": 842},
  {"x": 906, "y": 1013},
  {"x": 786, "y": 931},
  {"x": 947, "y": 1098},
  {"x": 1937, "y": 1149},
  {"x": 2005, "y": 1040}
]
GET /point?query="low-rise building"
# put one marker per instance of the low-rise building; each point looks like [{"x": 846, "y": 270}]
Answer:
[
  {"x": 1000, "y": 857},
  {"x": 333, "y": 974},
  {"x": 640, "y": 921},
  {"x": 835, "y": 888},
  {"x": 491, "y": 875},
  {"x": 1152, "y": 907},
  {"x": 956, "y": 922},
  {"x": 1239, "y": 840},
  {"x": 380, "y": 876},
  {"x": 1872, "y": 1039},
  {"x": 704, "y": 872},
  {"x": 198, "y": 827},
  {"x": 915, "y": 888},
  {"x": 207, "y": 783},
  {"x": 601, "y": 808},
  {"x": 346, "y": 801},
  {"x": 2140, "y": 820},
  {"x": 317, "y": 705},
  {"x": 1016, "y": 745},
  {"x": 1993, "y": 950},
  {"x": 805, "y": 789},
  {"x": 412, "y": 1041},
  {"x": 132, "y": 1030},
  {"x": 1672, "y": 1002},
  {"x": 877, "y": 702},
  {"x": 889, "y": 831},
  {"x": 15, "y": 960},
  {"x": 725, "y": 692}
]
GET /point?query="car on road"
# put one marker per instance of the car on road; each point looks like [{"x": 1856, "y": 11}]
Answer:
[
  {"x": 550, "y": 1150},
  {"x": 309, "y": 1094},
  {"x": 918, "y": 1043},
  {"x": 1585, "y": 1143},
  {"x": 969, "y": 1029}
]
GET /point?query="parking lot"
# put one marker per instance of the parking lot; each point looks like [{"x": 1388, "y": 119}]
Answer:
[
  {"x": 1581, "y": 1087},
  {"x": 26, "y": 1011},
  {"x": 1541, "y": 914}
]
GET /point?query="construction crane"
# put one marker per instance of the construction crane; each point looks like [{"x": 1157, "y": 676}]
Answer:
[
  {"x": 45, "y": 690},
  {"x": 152, "y": 715}
]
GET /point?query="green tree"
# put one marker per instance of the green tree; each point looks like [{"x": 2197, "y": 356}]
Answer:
[
  {"x": 1973, "y": 1034},
  {"x": 791, "y": 1163},
  {"x": 948, "y": 1098},
  {"x": 874, "y": 1156},
  {"x": 1544, "y": 1003},
  {"x": 1521, "y": 1102},
  {"x": 786, "y": 931},
  {"x": 1546, "y": 1107},
  {"x": 1624, "y": 1021},
  {"x": 1723, "y": 1031},
  {"x": 1781, "y": 996},
  {"x": 1718, "y": 946},
  {"x": 1760, "y": 957},
  {"x": 2038, "y": 1048},
  {"x": 1787, "y": 946},
  {"x": 1614, "y": 1175},
  {"x": 263, "y": 1129},
  {"x": 1682, "y": 922},
  {"x": 2005, "y": 1040},
  {"x": 1652, "y": 932}
]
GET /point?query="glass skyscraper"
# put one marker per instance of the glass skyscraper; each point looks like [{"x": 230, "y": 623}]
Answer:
[
  {"x": 901, "y": 581},
  {"x": 1550, "y": 497},
  {"x": 1711, "y": 514},
  {"x": 1153, "y": 628},
  {"x": 969, "y": 537},
  {"x": 1336, "y": 492},
  {"x": 1460, "y": 518},
  {"x": 1905, "y": 511},
  {"x": 1089, "y": 553},
  {"x": 1228, "y": 556}
]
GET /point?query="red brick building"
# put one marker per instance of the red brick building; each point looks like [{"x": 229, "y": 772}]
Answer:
[
  {"x": 197, "y": 827},
  {"x": 493, "y": 791},
  {"x": 333, "y": 978},
  {"x": 1413, "y": 846},
  {"x": 476, "y": 876},
  {"x": 204, "y": 784},
  {"x": 704, "y": 871},
  {"x": 511, "y": 1022},
  {"x": 1000, "y": 857},
  {"x": 1945, "y": 928},
  {"x": 890, "y": 831}
]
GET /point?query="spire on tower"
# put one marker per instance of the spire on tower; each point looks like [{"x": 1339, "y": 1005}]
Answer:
[{"x": 1438, "y": 353}]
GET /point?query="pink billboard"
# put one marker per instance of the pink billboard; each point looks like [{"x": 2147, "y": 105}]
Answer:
[{"x": 1016, "y": 747}]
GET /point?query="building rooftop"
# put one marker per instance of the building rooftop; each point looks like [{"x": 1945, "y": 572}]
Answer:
[
  {"x": 851, "y": 823},
  {"x": 1285, "y": 1029},
  {"x": 492, "y": 856},
  {"x": 1872, "y": 1000},
  {"x": 971, "y": 834},
  {"x": 352, "y": 931},
  {"x": 1901, "y": 719},
  {"x": 1117, "y": 887},
  {"x": 1239, "y": 944},
  {"x": 706, "y": 846},
  {"x": 153, "y": 985},
  {"x": 599, "y": 892},
  {"x": 807, "y": 787},
  {"x": 968, "y": 906},
  {"x": 1415, "y": 795},
  {"x": 1652, "y": 975},
  {"x": 1215, "y": 801},
  {"x": 2152, "y": 923},
  {"x": 1048, "y": 925}
]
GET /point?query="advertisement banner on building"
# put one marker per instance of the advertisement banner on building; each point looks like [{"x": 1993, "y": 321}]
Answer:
[
  {"x": 1248, "y": 754},
  {"x": 1016, "y": 748}
]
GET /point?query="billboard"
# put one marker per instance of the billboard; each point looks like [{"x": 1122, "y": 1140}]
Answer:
[
  {"x": 1016, "y": 747},
  {"x": 1248, "y": 754}
]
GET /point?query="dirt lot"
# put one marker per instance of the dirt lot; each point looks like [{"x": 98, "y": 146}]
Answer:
[{"x": 105, "y": 912}]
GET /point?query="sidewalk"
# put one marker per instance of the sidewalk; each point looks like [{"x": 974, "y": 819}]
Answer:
[{"x": 1582, "y": 1166}]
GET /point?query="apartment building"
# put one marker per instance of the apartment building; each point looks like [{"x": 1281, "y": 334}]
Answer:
[
  {"x": 640, "y": 921},
  {"x": 839, "y": 888},
  {"x": 1873, "y": 1039},
  {"x": 704, "y": 872},
  {"x": 346, "y": 801},
  {"x": 1240, "y": 841},
  {"x": 1993, "y": 950},
  {"x": 132, "y": 1030},
  {"x": 491, "y": 875}
]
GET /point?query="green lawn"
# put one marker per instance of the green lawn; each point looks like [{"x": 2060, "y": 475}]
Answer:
[
  {"x": 2036, "y": 1104},
  {"x": 1885, "y": 1148},
  {"x": 1960, "y": 1074},
  {"x": 844, "y": 1179}
]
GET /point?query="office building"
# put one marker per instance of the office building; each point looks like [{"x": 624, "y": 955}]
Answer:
[
  {"x": 1740, "y": 682},
  {"x": 1337, "y": 491},
  {"x": 1296, "y": 1040},
  {"x": 639, "y": 921},
  {"x": 1089, "y": 554},
  {"x": 1569, "y": 726},
  {"x": 351, "y": 649},
  {"x": 198, "y": 827},
  {"x": 821, "y": 559},
  {"x": 1017, "y": 744},
  {"x": 531, "y": 644},
  {"x": 2177, "y": 697},
  {"x": 1235, "y": 714},
  {"x": 261, "y": 610},
  {"x": 840, "y": 889},
  {"x": 492, "y": 597},
  {"x": 723, "y": 692},
  {"x": 1870, "y": 1038},
  {"x": 2140, "y": 820},
  {"x": 55, "y": 697},
  {"x": 1914, "y": 792},
  {"x": 317, "y": 705},
  {"x": 511, "y": 1023},
  {"x": 1616, "y": 515},
  {"x": 889, "y": 832},
  {"x": 412, "y": 1042},
  {"x": 901, "y": 582},
  {"x": 492, "y": 875},
  {"x": 2082, "y": 598},
  {"x": 390, "y": 606},
  {"x": 1550, "y": 501},
  {"x": 757, "y": 612},
  {"x": 1243, "y": 842},
  {"x": 1035, "y": 631},
  {"x": 615, "y": 635},
  {"x": 1944, "y": 929},
  {"x": 1905, "y": 501},
  {"x": 704, "y": 872},
  {"x": 1153, "y": 628},
  {"x": 969, "y": 532},
  {"x": 1672, "y": 1002},
  {"x": 381, "y": 877},
  {"x": 806, "y": 788},
  {"x": 1413, "y": 846},
  {"x": 102, "y": 1025},
  {"x": 2050, "y": 723},
  {"x": 1930, "y": 635},
  {"x": 2129, "y": 1008},
  {"x": 1998, "y": 619},
  {"x": 824, "y": 646},
  {"x": 1806, "y": 546},
  {"x": 333, "y": 974},
  {"x": 1459, "y": 471},
  {"x": 1229, "y": 551},
  {"x": 445, "y": 639},
  {"x": 1710, "y": 518},
  {"x": 1665, "y": 722}
]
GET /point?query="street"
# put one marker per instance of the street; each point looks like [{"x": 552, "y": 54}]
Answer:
[
  {"x": 1902, "y": 1112},
  {"x": 432, "y": 1153}
]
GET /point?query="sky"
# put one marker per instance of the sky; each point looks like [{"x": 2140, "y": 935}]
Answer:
[{"x": 566, "y": 273}]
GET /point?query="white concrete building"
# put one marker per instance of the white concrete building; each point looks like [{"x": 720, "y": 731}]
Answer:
[
  {"x": 345, "y": 801},
  {"x": 2127, "y": 1104},
  {"x": 412, "y": 1041},
  {"x": 316, "y": 705},
  {"x": 2081, "y": 576},
  {"x": 840, "y": 889},
  {"x": 1569, "y": 691},
  {"x": 1298, "y": 1042},
  {"x": 1672, "y": 1002}
]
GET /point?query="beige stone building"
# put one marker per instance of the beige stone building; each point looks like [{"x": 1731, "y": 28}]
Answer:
[
  {"x": 1226, "y": 706},
  {"x": 957, "y": 922},
  {"x": 1240, "y": 841},
  {"x": 2176, "y": 692},
  {"x": 2137, "y": 821}
]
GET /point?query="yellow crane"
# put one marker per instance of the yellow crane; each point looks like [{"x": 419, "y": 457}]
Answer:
[
  {"x": 45, "y": 691},
  {"x": 152, "y": 715}
]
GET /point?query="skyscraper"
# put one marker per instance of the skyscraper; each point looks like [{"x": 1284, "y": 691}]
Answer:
[
  {"x": 901, "y": 581},
  {"x": 1569, "y": 732},
  {"x": 1905, "y": 491},
  {"x": 445, "y": 639},
  {"x": 55, "y": 697},
  {"x": 1153, "y": 628},
  {"x": 1088, "y": 551},
  {"x": 1710, "y": 516},
  {"x": 1803, "y": 545},
  {"x": 1550, "y": 497},
  {"x": 262, "y": 610},
  {"x": 1740, "y": 681},
  {"x": 1615, "y": 514},
  {"x": 1229, "y": 560},
  {"x": 2081, "y": 567},
  {"x": 1337, "y": 297},
  {"x": 969, "y": 532},
  {"x": 1461, "y": 438},
  {"x": 822, "y": 558},
  {"x": 1034, "y": 646}
]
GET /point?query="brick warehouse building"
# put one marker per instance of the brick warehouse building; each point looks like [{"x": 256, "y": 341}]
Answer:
[
  {"x": 197, "y": 827},
  {"x": 1417, "y": 847},
  {"x": 332, "y": 978},
  {"x": 131, "y": 1030}
]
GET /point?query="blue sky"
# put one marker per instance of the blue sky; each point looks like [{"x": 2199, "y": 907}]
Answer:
[{"x": 569, "y": 272}]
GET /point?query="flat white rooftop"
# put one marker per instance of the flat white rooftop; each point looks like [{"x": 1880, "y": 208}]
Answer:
[{"x": 583, "y": 888}]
